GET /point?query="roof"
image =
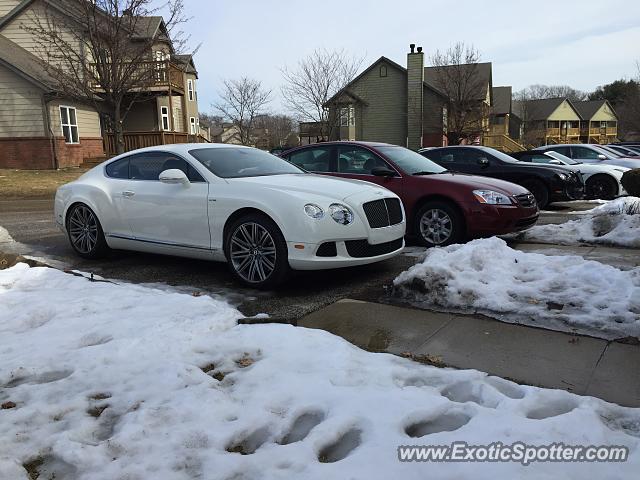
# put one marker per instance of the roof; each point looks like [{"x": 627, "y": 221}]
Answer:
[
  {"x": 501, "y": 100},
  {"x": 345, "y": 89},
  {"x": 147, "y": 27},
  {"x": 25, "y": 64},
  {"x": 185, "y": 61},
  {"x": 538, "y": 109},
  {"x": 588, "y": 108},
  {"x": 483, "y": 72}
]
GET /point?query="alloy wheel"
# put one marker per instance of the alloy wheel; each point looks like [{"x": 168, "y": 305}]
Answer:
[
  {"x": 436, "y": 226},
  {"x": 253, "y": 252},
  {"x": 601, "y": 188},
  {"x": 83, "y": 229}
]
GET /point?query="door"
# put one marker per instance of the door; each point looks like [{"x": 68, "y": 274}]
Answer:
[
  {"x": 358, "y": 163},
  {"x": 167, "y": 214}
]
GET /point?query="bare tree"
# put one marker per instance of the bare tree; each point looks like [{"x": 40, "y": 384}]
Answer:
[
  {"x": 314, "y": 81},
  {"x": 277, "y": 129},
  {"x": 457, "y": 76},
  {"x": 241, "y": 101},
  {"x": 539, "y": 92},
  {"x": 101, "y": 51}
]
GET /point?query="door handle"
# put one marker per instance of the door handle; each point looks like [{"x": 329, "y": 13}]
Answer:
[{"x": 128, "y": 193}]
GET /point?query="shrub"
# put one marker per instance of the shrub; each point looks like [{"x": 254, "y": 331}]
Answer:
[{"x": 631, "y": 182}]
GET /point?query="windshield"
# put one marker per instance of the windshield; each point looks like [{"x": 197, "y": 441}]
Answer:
[
  {"x": 606, "y": 151},
  {"x": 242, "y": 162},
  {"x": 561, "y": 157},
  {"x": 409, "y": 161}
]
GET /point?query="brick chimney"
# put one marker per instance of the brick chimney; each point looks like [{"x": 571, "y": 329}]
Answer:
[{"x": 415, "y": 97}]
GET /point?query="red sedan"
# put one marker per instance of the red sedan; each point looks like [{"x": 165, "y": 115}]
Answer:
[{"x": 442, "y": 207}]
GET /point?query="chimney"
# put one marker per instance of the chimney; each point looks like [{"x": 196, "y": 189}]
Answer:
[{"x": 415, "y": 97}]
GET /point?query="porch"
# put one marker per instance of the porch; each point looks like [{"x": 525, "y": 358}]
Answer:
[{"x": 135, "y": 140}]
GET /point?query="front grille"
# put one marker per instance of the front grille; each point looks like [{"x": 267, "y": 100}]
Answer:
[
  {"x": 526, "y": 222},
  {"x": 526, "y": 200},
  {"x": 383, "y": 212},
  {"x": 327, "y": 249},
  {"x": 575, "y": 187},
  {"x": 362, "y": 248}
]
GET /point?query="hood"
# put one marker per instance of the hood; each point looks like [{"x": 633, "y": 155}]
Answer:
[
  {"x": 311, "y": 184},
  {"x": 545, "y": 166},
  {"x": 474, "y": 182}
]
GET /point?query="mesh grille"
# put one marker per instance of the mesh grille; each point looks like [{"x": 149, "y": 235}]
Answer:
[
  {"x": 383, "y": 212},
  {"x": 526, "y": 200},
  {"x": 327, "y": 249},
  {"x": 362, "y": 248}
]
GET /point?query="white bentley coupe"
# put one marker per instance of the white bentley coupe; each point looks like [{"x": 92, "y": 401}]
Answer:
[{"x": 261, "y": 214}]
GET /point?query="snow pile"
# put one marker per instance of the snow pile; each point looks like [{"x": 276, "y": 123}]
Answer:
[
  {"x": 102, "y": 381},
  {"x": 615, "y": 223},
  {"x": 557, "y": 292}
]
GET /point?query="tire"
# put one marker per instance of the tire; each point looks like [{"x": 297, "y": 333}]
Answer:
[
  {"x": 601, "y": 187},
  {"x": 85, "y": 232},
  {"x": 539, "y": 190},
  {"x": 439, "y": 223},
  {"x": 257, "y": 252}
]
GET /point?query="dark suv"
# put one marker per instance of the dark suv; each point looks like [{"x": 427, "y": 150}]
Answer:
[{"x": 548, "y": 183}]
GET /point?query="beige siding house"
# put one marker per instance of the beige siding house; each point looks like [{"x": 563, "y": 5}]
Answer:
[
  {"x": 40, "y": 128},
  {"x": 599, "y": 122}
]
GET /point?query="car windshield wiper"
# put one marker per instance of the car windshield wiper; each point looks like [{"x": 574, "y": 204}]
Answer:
[{"x": 423, "y": 173}]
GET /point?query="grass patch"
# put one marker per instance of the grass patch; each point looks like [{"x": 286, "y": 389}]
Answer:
[{"x": 37, "y": 184}]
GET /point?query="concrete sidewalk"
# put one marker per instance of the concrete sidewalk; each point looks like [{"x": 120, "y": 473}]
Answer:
[{"x": 534, "y": 356}]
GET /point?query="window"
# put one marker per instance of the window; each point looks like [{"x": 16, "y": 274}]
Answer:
[
  {"x": 347, "y": 116},
  {"x": 161, "y": 66},
  {"x": 586, "y": 153},
  {"x": 192, "y": 121},
  {"x": 566, "y": 151},
  {"x": 149, "y": 166},
  {"x": 118, "y": 169},
  {"x": 409, "y": 161},
  {"x": 358, "y": 161},
  {"x": 69, "y": 122},
  {"x": 232, "y": 162},
  {"x": 190, "y": 89},
  {"x": 164, "y": 116},
  {"x": 383, "y": 70},
  {"x": 312, "y": 159}
]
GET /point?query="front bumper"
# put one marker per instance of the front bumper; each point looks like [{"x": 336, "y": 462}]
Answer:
[{"x": 489, "y": 220}]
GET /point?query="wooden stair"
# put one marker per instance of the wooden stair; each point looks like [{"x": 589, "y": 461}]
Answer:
[
  {"x": 502, "y": 142},
  {"x": 91, "y": 162}
]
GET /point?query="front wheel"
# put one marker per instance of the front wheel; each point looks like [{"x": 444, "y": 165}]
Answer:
[
  {"x": 601, "y": 187},
  {"x": 257, "y": 252},
  {"x": 439, "y": 224},
  {"x": 85, "y": 232},
  {"x": 539, "y": 191}
]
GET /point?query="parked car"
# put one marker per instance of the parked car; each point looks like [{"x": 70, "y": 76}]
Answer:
[
  {"x": 548, "y": 183},
  {"x": 589, "y": 153},
  {"x": 258, "y": 212},
  {"x": 626, "y": 151},
  {"x": 442, "y": 207},
  {"x": 600, "y": 181}
]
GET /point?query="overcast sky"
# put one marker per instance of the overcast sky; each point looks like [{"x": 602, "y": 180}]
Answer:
[{"x": 582, "y": 43}]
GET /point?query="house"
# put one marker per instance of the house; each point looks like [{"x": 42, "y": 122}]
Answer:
[
  {"x": 40, "y": 128},
  {"x": 548, "y": 121},
  {"x": 388, "y": 103},
  {"x": 599, "y": 122},
  {"x": 504, "y": 124}
]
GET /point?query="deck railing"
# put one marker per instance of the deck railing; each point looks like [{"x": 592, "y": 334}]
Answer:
[{"x": 135, "y": 140}]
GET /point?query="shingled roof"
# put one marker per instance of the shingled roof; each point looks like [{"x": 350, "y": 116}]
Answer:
[
  {"x": 25, "y": 64},
  {"x": 501, "y": 100},
  {"x": 537, "y": 109},
  {"x": 433, "y": 76},
  {"x": 588, "y": 108}
]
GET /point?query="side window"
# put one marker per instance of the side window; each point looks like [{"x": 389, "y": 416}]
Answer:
[
  {"x": 315, "y": 159},
  {"x": 470, "y": 156},
  {"x": 433, "y": 155},
  {"x": 118, "y": 169},
  {"x": 540, "y": 159},
  {"x": 358, "y": 161},
  {"x": 582, "y": 152},
  {"x": 566, "y": 151},
  {"x": 148, "y": 166}
]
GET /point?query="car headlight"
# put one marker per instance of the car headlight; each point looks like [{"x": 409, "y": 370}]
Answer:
[
  {"x": 313, "y": 210},
  {"x": 341, "y": 213},
  {"x": 491, "y": 198},
  {"x": 563, "y": 176}
]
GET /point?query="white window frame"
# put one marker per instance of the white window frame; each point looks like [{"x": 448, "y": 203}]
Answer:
[
  {"x": 192, "y": 122},
  {"x": 344, "y": 117},
  {"x": 69, "y": 125},
  {"x": 191, "y": 89},
  {"x": 164, "y": 115}
]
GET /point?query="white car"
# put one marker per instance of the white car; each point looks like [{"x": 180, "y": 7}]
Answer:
[
  {"x": 590, "y": 153},
  {"x": 257, "y": 211},
  {"x": 600, "y": 180}
]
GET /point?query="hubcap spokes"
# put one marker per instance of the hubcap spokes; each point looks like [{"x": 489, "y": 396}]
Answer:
[
  {"x": 436, "y": 226},
  {"x": 253, "y": 252},
  {"x": 83, "y": 229}
]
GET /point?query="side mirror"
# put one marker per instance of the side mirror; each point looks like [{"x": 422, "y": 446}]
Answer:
[
  {"x": 483, "y": 161},
  {"x": 602, "y": 157},
  {"x": 173, "y": 176},
  {"x": 383, "y": 172}
]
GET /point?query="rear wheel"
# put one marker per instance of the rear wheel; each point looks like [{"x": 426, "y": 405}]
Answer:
[
  {"x": 601, "y": 186},
  {"x": 539, "y": 190},
  {"x": 439, "y": 223},
  {"x": 257, "y": 252},
  {"x": 85, "y": 232}
]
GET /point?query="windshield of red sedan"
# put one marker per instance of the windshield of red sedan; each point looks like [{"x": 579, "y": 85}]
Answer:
[
  {"x": 409, "y": 161},
  {"x": 242, "y": 162}
]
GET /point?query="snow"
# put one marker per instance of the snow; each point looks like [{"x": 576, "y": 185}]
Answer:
[
  {"x": 121, "y": 381},
  {"x": 607, "y": 224},
  {"x": 559, "y": 292}
]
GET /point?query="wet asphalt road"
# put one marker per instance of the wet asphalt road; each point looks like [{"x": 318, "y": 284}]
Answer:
[{"x": 30, "y": 222}]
